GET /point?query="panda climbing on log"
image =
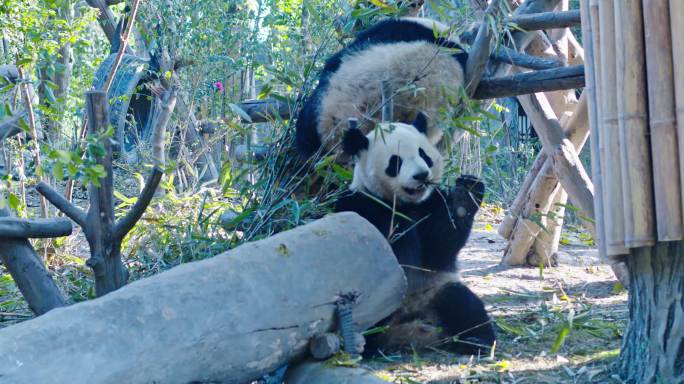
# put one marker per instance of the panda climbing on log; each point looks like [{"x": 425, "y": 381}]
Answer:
[
  {"x": 394, "y": 187},
  {"x": 423, "y": 67}
]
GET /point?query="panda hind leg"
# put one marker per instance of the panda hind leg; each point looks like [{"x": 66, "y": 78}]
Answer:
[{"x": 464, "y": 318}]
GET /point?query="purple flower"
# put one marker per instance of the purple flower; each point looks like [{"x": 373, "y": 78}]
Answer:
[{"x": 219, "y": 86}]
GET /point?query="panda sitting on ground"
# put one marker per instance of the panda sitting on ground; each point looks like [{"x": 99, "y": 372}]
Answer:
[
  {"x": 399, "y": 168},
  {"x": 424, "y": 69}
]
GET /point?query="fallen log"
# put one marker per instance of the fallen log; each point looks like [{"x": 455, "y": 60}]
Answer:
[
  {"x": 231, "y": 318},
  {"x": 312, "y": 372},
  {"x": 531, "y": 82}
]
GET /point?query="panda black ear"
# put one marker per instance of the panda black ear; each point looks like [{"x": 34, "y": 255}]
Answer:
[
  {"x": 354, "y": 142},
  {"x": 421, "y": 123}
]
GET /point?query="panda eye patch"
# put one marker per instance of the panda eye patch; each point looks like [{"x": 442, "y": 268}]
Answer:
[
  {"x": 425, "y": 157},
  {"x": 394, "y": 166}
]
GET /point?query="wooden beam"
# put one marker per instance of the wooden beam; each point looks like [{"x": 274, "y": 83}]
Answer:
[
  {"x": 513, "y": 57},
  {"x": 537, "y": 199},
  {"x": 567, "y": 165},
  {"x": 546, "y": 20},
  {"x": 34, "y": 228},
  {"x": 506, "y": 227},
  {"x": 531, "y": 82}
]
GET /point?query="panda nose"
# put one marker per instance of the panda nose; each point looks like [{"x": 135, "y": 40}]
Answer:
[{"x": 421, "y": 176}]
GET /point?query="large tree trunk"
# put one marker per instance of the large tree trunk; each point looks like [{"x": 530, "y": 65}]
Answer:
[
  {"x": 653, "y": 347},
  {"x": 228, "y": 319}
]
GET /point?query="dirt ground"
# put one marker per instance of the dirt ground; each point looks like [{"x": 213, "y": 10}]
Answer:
[{"x": 577, "y": 307}]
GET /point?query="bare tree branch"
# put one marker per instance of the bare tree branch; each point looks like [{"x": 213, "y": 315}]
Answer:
[
  {"x": 75, "y": 213},
  {"x": 479, "y": 53},
  {"x": 36, "y": 228},
  {"x": 124, "y": 225}
]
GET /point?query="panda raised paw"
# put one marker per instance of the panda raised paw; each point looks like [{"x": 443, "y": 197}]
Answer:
[{"x": 466, "y": 196}]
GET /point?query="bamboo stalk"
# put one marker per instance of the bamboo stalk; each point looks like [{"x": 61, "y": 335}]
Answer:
[
  {"x": 677, "y": 25},
  {"x": 661, "y": 110},
  {"x": 610, "y": 139},
  {"x": 635, "y": 155},
  {"x": 590, "y": 39}
]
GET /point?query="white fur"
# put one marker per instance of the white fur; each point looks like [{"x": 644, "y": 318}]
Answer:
[
  {"x": 423, "y": 76},
  {"x": 402, "y": 140}
]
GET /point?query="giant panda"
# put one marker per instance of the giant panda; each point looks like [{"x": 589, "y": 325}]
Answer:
[
  {"x": 423, "y": 66},
  {"x": 394, "y": 186}
]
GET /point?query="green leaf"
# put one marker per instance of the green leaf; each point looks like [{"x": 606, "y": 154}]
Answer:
[
  {"x": 560, "y": 339},
  {"x": 24, "y": 126},
  {"x": 239, "y": 111},
  {"x": 13, "y": 201},
  {"x": 58, "y": 170}
]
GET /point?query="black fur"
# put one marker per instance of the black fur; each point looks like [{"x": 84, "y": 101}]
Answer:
[
  {"x": 384, "y": 32},
  {"x": 425, "y": 157},
  {"x": 444, "y": 222},
  {"x": 354, "y": 142},
  {"x": 421, "y": 123},
  {"x": 393, "y": 166}
]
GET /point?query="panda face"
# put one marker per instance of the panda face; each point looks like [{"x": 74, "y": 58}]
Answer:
[{"x": 395, "y": 160}]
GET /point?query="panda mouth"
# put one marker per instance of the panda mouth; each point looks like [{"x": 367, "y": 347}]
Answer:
[{"x": 415, "y": 191}]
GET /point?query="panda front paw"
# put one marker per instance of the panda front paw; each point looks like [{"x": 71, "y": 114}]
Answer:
[{"x": 467, "y": 195}]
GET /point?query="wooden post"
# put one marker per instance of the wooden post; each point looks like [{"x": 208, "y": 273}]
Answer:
[
  {"x": 506, "y": 226},
  {"x": 545, "y": 247},
  {"x": 610, "y": 138},
  {"x": 661, "y": 110},
  {"x": 566, "y": 163},
  {"x": 637, "y": 186},
  {"x": 677, "y": 26},
  {"x": 539, "y": 198},
  {"x": 590, "y": 39}
]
